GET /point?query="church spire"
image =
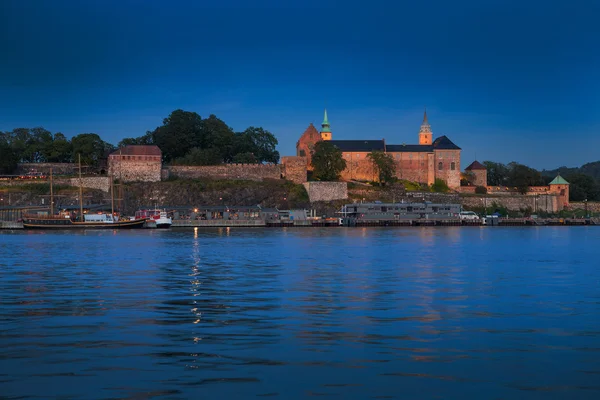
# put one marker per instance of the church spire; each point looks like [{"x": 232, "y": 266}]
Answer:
[
  {"x": 325, "y": 125},
  {"x": 325, "y": 128},
  {"x": 425, "y": 135}
]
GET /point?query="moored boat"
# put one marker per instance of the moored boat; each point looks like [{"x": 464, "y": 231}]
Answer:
[
  {"x": 92, "y": 221},
  {"x": 160, "y": 217}
]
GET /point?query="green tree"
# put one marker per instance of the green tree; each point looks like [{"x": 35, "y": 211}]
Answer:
[
  {"x": 59, "y": 149},
  {"x": 142, "y": 140},
  {"x": 384, "y": 165},
  {"x": 180, "y": 132},
  {"x": 467, "y": 178},
  {"x": 497, "y": 173},
  {"x": 440, "y": 186},
  {"x": 327, "y": 161},
  {"x": 8, "y": 158},
  {"x": 245, "y": 158},
  {"x": 217, "y": 135},
  {"x": 582, "y": 187},
  {"x": 198, "y": 156},
  {"x": 91, "y": 148},
  {"x": 259, "y": 142},
  {"x": 522, "y": 176}
]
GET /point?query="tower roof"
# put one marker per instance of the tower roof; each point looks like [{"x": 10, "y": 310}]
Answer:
[
  {"x": 425, "y": 122},
  {"x": 325, "y": 125},
  {"x": 475, "y": 165},
  {"x": 559, "y": 180}
]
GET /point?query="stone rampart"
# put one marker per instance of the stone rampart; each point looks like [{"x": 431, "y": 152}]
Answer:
[
  {"x": 44, "y": 168},
  {"x": 251, "y": 172},
  {"x": 543, "y": 202},
  {"x": 294, "y": 169},
  {"x": 326, "y": 191},
  {"x": 90, "y": 182},
  {"x": 592, "y": 206}
]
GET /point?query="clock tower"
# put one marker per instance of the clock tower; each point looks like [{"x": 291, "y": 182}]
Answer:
[{"x": 425, "y": 135}]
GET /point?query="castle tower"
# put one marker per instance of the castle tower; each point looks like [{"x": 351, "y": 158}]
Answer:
[
  {"x": 560, "y": 187},
  {"x": 425, "y": 135},
  {"x": 325, "y": 129}
]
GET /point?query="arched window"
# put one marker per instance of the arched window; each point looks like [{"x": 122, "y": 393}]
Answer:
[
  {"x": 440, "y": 166},
  {"x": 452, "y": 166}
]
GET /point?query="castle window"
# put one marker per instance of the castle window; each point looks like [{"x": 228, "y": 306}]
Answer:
[
  {"x": 452, "y": 166},
  {"x": 440, "y": 166},
  {"x": 302, "y": 153}
]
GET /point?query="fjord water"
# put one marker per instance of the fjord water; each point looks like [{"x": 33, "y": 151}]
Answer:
[{"x": 503, "y": 313}]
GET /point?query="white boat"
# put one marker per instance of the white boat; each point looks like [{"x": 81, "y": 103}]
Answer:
[{"x": 159, "y": 217}]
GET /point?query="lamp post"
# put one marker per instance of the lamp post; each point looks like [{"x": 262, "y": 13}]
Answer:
[{"x": 586, "y": 208}]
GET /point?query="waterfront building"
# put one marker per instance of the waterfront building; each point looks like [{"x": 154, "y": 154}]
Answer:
[{"x": 423, "y": 162}]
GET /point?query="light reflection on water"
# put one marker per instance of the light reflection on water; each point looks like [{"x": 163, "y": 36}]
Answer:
[{"x": 351, "y": 313}]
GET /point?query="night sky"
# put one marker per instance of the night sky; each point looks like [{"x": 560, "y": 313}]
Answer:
[{"x": 505, "y": 80}]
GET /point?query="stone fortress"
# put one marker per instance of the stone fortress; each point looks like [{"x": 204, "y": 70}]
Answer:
[{"x": 423, "y": 163}]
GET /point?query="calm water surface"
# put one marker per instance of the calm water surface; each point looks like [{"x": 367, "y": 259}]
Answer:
[{"x": 500, "y": 313}]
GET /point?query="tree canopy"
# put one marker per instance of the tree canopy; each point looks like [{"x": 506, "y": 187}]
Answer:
[
  {"x": 384, "y": 165},
  {"x": 327, "y": 161}
]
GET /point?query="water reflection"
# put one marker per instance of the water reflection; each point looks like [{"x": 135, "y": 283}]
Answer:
[{"x": 290, "y": 313}]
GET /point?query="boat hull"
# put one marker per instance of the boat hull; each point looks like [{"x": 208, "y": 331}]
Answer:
[
  {"x": 163, "y": 226},
  {"x": 34, "y": 223}
]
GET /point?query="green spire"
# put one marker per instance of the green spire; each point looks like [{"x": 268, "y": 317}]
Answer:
[{"x": 325, "y": 125}]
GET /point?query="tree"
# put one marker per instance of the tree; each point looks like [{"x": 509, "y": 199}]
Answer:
[
  {"x": 384, "y": 165},
  {"x": 59, "y": 150},
  {"x": 522, "y": 176},
  {"x": 218, "y": 136},
  {"x": 467, "y": 178},
  {"x": 8, "y": 159},
  {"x": 327, "y": 161},
  {"x": 497, "y": 173},
  {"x": 440, "y": 186},
  {"x": 582, "y": 187},
  {"x": 244, "y": 158},
  {"x": 91, "y": 148},
  {"x": 198, "y": 156},
  {"x": 180, "y": 132},
  {"x": 142, "y": 140},
  {"x": 259, "y": 142}
]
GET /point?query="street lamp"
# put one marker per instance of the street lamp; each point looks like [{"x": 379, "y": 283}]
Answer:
[{"x": 586, "y": 208}]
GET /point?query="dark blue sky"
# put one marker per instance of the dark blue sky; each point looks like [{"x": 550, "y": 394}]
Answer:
[{"x": 506, "y": 80}]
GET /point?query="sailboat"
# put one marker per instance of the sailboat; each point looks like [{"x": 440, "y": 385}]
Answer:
[{"x": 84, "y": 221}]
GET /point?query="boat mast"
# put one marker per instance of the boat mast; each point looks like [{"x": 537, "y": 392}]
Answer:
[
  {"x": 80, "y": 190},
  {"x": 112, "y": 199},
  {"x": 51, "y": 195}
]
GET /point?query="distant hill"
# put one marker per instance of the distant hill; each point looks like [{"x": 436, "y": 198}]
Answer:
[{"x": 591, "y": 169}]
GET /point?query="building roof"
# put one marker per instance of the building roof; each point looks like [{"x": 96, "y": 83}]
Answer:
[
  {"x": 443, "y": 143},
  {"x": 476, "y": 165},
  {"x": 359, "y": 145},
  {"x": 138, "y": 150},
  {"x": 559, "y": 180},
  {"x": 409, "y": 148}
]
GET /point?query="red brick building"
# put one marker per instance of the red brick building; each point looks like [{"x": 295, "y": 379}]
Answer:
[{"x": 423, "y": 162}]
